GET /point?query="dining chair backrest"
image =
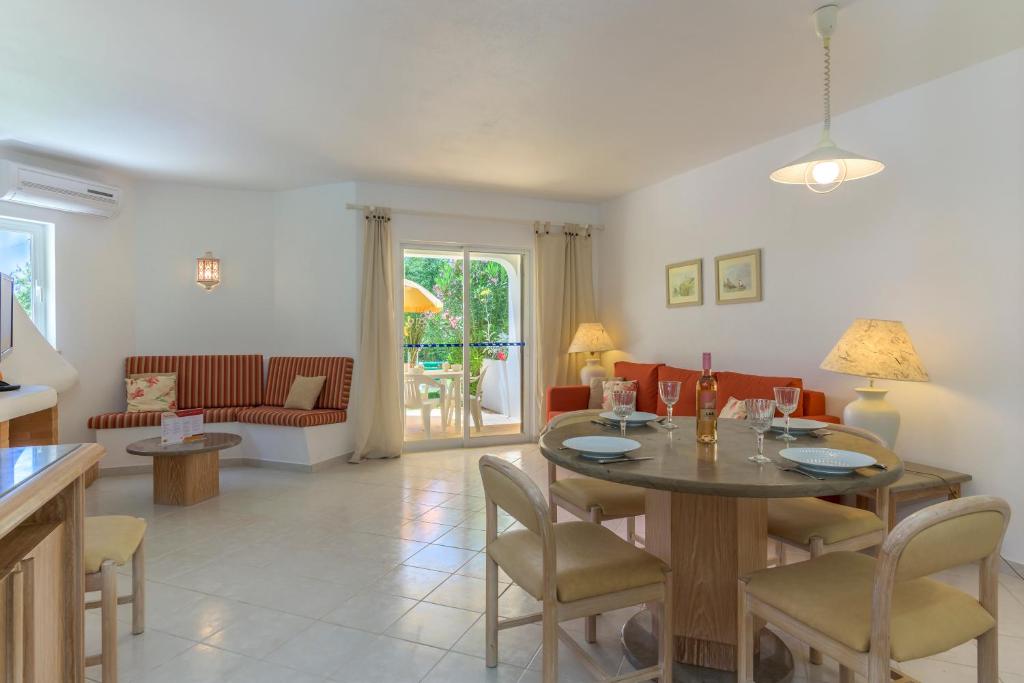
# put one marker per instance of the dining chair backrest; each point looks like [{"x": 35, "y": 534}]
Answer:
[
  {"x": 508, "y": 487},
  {"x": 572, "y": 417},
  {"x": 857, "y": 431},
  {"x": 946, "y": 535}
]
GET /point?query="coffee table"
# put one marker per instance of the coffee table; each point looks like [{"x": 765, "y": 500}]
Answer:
[{"x": 185, "y": 473}]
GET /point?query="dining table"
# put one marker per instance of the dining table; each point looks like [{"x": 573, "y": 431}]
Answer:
[{"x": 707, "y": 518}]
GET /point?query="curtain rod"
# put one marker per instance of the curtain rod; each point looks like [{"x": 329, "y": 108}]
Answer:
[{"x": 472, "y": 217}]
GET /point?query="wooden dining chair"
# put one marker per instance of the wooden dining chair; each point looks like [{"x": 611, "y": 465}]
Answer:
[
  {"x": 592, "y": 499},
  {"x": 818, "y": 526},
  {"x": 575, "y": 569},
  {"x": 865, "y": 612},
  {"x": 110, "y": 542}
]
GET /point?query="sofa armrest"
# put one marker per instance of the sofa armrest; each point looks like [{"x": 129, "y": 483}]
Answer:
[{"x": 567, "y": 398}]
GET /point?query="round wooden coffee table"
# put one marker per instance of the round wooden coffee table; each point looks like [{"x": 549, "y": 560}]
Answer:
[{"x": 185, "y": 473}]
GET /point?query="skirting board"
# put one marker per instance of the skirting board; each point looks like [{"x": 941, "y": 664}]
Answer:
[{"x": 237, "y": 462}]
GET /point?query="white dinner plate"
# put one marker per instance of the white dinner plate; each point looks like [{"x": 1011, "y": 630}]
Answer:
[
  {"x": 797, "y": 425},
  {"x": 827, "y": 460},
  {"x": 636, "y": 418},
  {"x": 601, "y": 447}
]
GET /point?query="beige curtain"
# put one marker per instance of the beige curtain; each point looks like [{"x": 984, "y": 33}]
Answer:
[
  {"x": 379, "y": 402},
  {"x": 565, "y": 298}
]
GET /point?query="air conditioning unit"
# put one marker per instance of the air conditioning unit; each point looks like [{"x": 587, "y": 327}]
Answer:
[{"x": 23, "y": 184}]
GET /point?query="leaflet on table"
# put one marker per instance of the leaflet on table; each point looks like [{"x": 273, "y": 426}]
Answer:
[{"x": 181, "y": 426}]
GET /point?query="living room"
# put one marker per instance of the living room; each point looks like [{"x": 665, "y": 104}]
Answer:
[{"x": 271, "y": 228}]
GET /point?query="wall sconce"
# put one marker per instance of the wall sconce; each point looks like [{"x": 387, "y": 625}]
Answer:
[{"x": 208, "y": 271}]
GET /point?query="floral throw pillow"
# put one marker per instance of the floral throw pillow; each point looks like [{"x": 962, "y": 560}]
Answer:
[
  {"x": 734, "y": 409},
  {"x": 147, "y": 393},
  {"x": 614, "y": 385},
  {"x": 597, "y": 391}
]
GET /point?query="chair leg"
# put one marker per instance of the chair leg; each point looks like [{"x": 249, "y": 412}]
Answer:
[
  {"x": 139, "y": 589},
  {"x": 549, "y": 642},
  {"x": 846, "y": 674},
  {"x": 108, "y": 617},
  {"x": 631, "y": 530},
  {"x": 745, "y": 640},
  {"x": 478, "y": 415},
  {"x": 590, "y": 622},
  {"x": 491, "y": 616},
  {"x": 988, "y": 656},
  {"x": 666, "y": 646},
  {"x": 817, "y": 550},
  {"x": 425, "y": 419},
  {"x": 780, "y": 553}
]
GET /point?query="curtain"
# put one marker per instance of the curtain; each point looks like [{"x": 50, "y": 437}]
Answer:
[
  {"x": 379, "y": 403},
  {"x": 565, "y": 298}
]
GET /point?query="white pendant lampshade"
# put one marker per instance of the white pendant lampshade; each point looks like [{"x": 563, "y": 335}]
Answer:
[
  {"x": 826, "y": 167},
  {"x": 591, "y": 338},
  {"x": 876, "y": 349}
]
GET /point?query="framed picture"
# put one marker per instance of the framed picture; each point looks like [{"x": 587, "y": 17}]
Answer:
[
  {"x": 738, "y": 277},
  {"x": 684, "y": 283}
]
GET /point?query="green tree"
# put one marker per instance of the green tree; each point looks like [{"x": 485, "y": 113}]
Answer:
[{"x": 22, "y": 277}]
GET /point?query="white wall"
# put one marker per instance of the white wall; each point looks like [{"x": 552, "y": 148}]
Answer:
[
  {"x": 935, "y": 240},
  {"x": 176, "y": 223},
  {"x": 95, "y": 303}
]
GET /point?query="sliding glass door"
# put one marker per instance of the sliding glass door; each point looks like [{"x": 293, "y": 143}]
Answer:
[{"x": 463, "y": 345}]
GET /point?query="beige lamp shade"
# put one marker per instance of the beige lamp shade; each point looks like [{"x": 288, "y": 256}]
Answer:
[
  {"x": 879, "y": 349},
  {"x": 416, "y": 299},
  {"x": 592, "y": 338}
]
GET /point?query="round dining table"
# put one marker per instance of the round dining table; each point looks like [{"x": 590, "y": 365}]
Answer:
[{"x": 707, "y": 517}]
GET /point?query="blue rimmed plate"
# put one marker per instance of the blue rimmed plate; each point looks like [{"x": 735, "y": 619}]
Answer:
[
  {"x": 601, "y": 447},
  {"x": 637, "y": 418},
  {"x": 827, "y": 460}
]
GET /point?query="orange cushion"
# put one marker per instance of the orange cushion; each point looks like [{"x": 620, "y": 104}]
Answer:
[
  {"x": 646, "y": 377},
  {"x": 744, "y": 386},
  {"x": 687, "y": 404}
]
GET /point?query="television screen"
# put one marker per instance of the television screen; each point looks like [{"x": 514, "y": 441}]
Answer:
[{"x": 6, "y": 314}]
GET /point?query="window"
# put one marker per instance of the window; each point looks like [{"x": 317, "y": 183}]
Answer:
[{"x": 26, "y": 255}]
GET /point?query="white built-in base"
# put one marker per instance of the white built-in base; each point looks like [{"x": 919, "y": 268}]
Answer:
[
  {"x": 872, "y": 412},
  {"x": 301, "y": 447}
]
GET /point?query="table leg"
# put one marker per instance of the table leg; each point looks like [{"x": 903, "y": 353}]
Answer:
[{"x": 186, "y": 479}]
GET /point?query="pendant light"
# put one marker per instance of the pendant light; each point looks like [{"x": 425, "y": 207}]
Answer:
[{"x": 828, "y": 166}]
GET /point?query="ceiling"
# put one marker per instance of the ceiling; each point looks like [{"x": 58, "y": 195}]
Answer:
[{"x": 580, "y": 99}]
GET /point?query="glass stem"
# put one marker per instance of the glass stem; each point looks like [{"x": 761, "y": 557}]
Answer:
[
  {"x": 787, "y": 424},
  {"x": 760, "y": 443},
  {"x": 669, "y": 412},
  {"x": 622, "y": 426}
]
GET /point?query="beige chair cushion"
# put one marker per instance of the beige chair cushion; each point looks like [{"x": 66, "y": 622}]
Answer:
[
  {"x": 111, "y": 537},
  {"x": 591, "y": 561},
  {"x": 304, "y": 392},
  {"x": 832, "y": 594},
  {"x": 798, "y": 519},
  {"x": 614, "y": 500}
]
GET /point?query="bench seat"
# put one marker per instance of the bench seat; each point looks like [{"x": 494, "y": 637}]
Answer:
[
  {"x": 152, "y": 418},
  {"x": 289, "y": 417}
]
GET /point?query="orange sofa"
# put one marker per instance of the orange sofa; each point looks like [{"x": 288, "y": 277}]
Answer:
[{"x": 730, "y": 384}]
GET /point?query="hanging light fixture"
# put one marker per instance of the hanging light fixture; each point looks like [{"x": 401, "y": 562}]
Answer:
[
  {"x": 828, "y": 166},
  {"x": 208, "y": 271}
]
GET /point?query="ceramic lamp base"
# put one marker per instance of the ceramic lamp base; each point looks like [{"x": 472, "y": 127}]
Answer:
[
  {"x": 872, "y": 412},
  {"x": 592, "y": 370}
]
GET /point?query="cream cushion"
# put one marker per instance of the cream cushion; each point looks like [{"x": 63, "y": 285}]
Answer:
[
  {"x": 111, "y": 537},
  {"x": 798, "y": 519},
  {"x": 832, "y": 594},
  {"x": 614, "y": 500},
  {"x": 591, "y": 560},
  {"x": 304, "y": 392}
]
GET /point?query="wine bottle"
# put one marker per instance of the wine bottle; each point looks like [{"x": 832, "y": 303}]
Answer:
[{"x": 707, "y": 405}]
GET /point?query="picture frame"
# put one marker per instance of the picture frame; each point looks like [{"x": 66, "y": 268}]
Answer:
[
  {"x": 684, "y": 283},
  {"x": 738, "y": 277}
]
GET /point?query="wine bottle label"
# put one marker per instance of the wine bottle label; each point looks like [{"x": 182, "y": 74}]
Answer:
[{"x": 706, "y": 414}]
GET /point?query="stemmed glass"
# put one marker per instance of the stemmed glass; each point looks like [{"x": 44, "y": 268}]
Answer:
[
  {"x": 760, "y": 412},
  {"x": 623, "y": 402},
  {"x": 668, "y": 389},
  {"x": 786, "y": 399}
]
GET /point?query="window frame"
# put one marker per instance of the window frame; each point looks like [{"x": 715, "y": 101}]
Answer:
[{"x": 41, "y": 259}]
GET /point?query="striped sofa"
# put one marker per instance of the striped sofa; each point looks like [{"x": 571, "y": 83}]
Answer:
[{"x": 232, "y": 392}]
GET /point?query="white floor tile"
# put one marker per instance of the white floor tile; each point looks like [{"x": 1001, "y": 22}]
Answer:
[
  {"x": 389, "y": 660},
  {"x": 371, "y": 611},
  {"x": 434, "y": 625},
  {"x": 460, "y": 668},
  {"x": 322, "y": 649}
]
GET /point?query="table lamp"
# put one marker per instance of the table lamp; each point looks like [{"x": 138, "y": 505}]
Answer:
[
  {"x": 591, "y": 338},
  {"x": 876, "y": 349}
]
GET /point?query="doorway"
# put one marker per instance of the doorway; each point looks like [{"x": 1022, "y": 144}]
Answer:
[{"x": 463, "y": 346}]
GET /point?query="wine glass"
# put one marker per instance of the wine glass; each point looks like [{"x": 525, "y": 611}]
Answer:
[
  {"x": 623, "y": 402},
  {"x": 760, "y": 412},
  {"x": 786, "y": 399},
  {"x": 668, "y": 389}
]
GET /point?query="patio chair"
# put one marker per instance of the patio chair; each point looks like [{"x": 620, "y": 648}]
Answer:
[{"x": 416, "y": 398}]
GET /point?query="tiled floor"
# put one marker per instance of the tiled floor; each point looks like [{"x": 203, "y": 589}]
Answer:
[{"x": 368, "y": 573}]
